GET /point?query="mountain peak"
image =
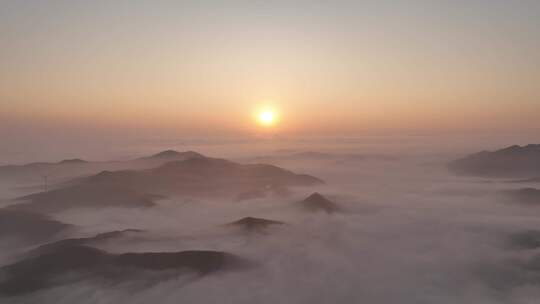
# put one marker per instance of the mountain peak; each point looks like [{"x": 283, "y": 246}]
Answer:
[
  {"x": 254, "y": 224},
  {"x": 517, "y": 148},
  {"x": 317, "y": 202},
  {"x": 512, "y": 161},
  {"x": 73, "y": 161},
  {"x": 315, "y": 196},
  {"x": 173, "y": 154},
  {"x": 255, "y": 221}
]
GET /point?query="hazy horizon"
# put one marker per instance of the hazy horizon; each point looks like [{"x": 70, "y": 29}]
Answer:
[{"x": 330, "y": 68}]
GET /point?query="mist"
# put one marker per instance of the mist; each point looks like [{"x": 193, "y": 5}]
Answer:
[{"x": 409, "y": 231}]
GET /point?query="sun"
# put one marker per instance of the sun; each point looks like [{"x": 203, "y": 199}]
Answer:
[{"x": 266, "y": 118}]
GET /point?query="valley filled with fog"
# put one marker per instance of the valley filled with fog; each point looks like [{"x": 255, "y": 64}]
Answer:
[{"x": 325, "y": 222}]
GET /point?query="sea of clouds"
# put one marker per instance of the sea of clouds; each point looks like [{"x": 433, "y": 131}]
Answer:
[{"x": 411, "y": 232}]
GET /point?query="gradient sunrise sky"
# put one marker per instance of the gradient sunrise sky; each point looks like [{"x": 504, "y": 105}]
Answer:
[{"x": 325, "y": 67}]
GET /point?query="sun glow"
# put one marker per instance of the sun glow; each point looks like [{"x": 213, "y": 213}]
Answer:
[{"x": 266, "y": 117}]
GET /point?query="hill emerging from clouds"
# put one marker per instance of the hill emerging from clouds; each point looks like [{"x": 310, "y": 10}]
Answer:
[
  {"x": 316, "y": 202},
  {"x": 69, "y": 168},
  {"x": 69, "y": 264},
  {"x": 200, "y": 177},
  {"x": 514, "y": 161}
]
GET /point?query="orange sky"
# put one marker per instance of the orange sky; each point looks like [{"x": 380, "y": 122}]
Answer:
[{"x": 343, "y": 67}]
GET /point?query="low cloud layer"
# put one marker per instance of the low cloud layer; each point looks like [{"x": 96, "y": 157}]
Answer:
[{"x": 408, "y": 232}]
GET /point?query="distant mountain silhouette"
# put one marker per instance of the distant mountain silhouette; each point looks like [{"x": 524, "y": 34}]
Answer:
[
  {"x": 69, "y": 264},
  {"x": 195, "y": 177},
  {"x": 514, "y": 161},
  {"x": 529, "y": 196},
  {"x": 73, "y": 161},
  {"x": 175, "y": 155},
  {"x": 208, "y": 177},
  {"x": 86, "y": 195},
  {"x": 70, "y": 168},
  {"x": 87, "y": 241},
  {"x": 253, "y": 224},
  {"x": 28, "y": 226},
  {"x": 316, "y": 202}
]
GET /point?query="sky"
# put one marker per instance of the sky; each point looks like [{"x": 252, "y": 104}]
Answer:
[{"x": 141, "y": 68}]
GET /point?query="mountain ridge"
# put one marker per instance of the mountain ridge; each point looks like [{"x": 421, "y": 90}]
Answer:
[{"x": 510, "y": 162}]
